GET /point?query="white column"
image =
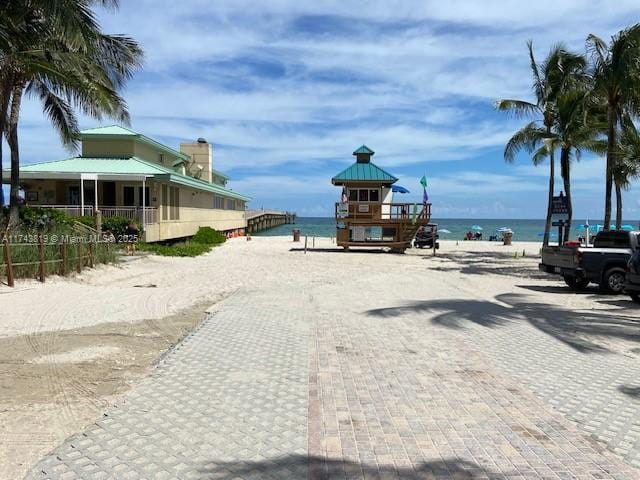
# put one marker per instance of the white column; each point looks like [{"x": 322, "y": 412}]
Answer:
[
  {"x": 81, "y": 196},
  {"x": 144, "y": 204}
]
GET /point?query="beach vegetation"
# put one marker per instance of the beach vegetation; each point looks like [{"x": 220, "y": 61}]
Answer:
[{"x": 202, "y": 242}]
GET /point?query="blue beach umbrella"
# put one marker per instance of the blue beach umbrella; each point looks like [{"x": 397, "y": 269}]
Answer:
[
  {"x": 444, "y": 230},
  {"x": 626, "y": 227},
  {"x": 476, "y": 227},
  {"x": 398, "y": 189}
]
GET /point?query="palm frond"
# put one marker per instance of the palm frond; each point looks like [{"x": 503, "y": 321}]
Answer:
[{"x": 527, "y": 138}]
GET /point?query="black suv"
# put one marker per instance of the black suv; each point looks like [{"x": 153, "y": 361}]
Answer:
[{"x": 632, "y": 283}]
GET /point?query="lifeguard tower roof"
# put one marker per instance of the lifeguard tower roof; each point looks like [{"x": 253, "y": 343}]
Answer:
[{"x": 363, "y": 170}]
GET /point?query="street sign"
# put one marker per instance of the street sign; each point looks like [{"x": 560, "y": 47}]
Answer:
[{"x": 560, "y": 205}]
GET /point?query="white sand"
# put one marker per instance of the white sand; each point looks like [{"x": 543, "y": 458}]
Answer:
[{"x": 118, "y": 293}]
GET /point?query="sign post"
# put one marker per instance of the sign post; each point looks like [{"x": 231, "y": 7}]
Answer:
[{"x": 560, "y": 207}]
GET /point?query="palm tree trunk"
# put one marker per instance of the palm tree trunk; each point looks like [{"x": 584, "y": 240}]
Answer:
[
  {"x": 618, "y": 206},
  {"x": 565, "y": 170},
  {"x": 552, "y": 174},
  {"x": 5, "y": 97},
  {"x": 611, "y": 147},
  {"x": 12, "y": 140}
]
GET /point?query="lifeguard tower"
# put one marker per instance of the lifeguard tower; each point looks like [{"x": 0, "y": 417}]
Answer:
[{"x": 367, "y": 215}]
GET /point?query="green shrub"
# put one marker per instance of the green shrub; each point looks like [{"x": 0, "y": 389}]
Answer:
[
  {"x": 118, "y": 225},
  {"x": 89, "y": 221},
  {"x": 175, "y": 250},
  {"x": 208, "y": 236},
  {"x": 43, "y": 218}
]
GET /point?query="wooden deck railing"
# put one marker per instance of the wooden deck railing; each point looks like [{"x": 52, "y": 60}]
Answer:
[
  {"x": 150, "y": 213},
  {"x": 382, "y": 211}
]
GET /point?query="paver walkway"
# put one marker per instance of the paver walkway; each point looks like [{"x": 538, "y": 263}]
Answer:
[{"x": 317, "y": 384}]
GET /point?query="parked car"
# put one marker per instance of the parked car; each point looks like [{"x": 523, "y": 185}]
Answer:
[
  {"x": 604, "y": 264},
  {"x": 632, "y": 284}
]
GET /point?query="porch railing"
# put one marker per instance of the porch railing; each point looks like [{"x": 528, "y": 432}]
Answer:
[{"x": 134, "y": 213}]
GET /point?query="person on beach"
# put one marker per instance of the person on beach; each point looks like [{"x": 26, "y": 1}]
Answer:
[{"x": 131, "y": 238}]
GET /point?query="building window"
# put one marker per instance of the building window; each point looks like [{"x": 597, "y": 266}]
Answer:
[
  {"x": 229, "y": 204},
  {"x": 353, "y": 195},
  {"x": 129, "y": 196},
  {"x": 165, "y": 203},
  {"x": 363, "y": 195},
  {"x": 174, "y": 203},
  {"x": 218, "y": 203},
  {"x": 374, "y": 195}
]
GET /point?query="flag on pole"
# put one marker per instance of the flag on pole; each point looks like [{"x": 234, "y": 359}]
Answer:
[
  {"x": 425, "y": 196},
  {"x": 344, "y": 195}
]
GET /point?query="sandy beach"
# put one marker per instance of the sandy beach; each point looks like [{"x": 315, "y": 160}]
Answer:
[{"x": 70, "y": 347}]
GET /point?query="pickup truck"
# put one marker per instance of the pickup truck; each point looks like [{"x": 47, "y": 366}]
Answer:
[
  {"x": 632, "y": 285},
  {"x": 604, "y": 264}
]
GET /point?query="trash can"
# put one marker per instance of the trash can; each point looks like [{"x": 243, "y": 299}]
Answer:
[
  {"x": 507, "y": 237},
  {"x": 296, "y": 235}
]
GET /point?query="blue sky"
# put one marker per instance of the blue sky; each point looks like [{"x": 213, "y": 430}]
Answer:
[{"x": 286, "y": 90}]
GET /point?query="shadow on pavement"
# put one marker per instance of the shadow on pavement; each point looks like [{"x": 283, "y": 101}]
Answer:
[
  {"x": 583, "y": 331},
  {"x": 631, "y": 391},
  {"x": 316, "y": 468}
]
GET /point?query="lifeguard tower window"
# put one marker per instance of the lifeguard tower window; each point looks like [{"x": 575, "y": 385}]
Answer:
[{"x": 364, "y": 195}]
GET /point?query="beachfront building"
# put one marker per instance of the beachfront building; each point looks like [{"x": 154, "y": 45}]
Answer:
[
  {"x": 367, "y": 214},
  {"x": 121, "y": 172}
]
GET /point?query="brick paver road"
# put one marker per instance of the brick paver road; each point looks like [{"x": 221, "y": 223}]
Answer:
[{"x": 316, "y": 383}]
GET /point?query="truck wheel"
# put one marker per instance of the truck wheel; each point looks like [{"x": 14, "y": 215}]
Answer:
[
  {"x": 575, "y": 283},
  {"x": 613, "y": 280},
  {"x": 635, "y": 297}
]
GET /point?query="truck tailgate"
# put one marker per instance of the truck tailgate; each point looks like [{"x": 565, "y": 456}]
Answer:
[{"x": 559, "y": 257}]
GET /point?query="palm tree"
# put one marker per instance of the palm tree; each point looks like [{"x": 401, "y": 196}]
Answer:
[
  {"x": 63, "y": 58},
  {"x": 554, "y": 76},
  {"x": 627, "y": 166},
  {"x": 575, "y": 130},
  {"x": 616, "y": 76}
]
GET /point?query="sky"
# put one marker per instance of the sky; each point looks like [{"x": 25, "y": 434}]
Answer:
[{"x": 286, "y": 90}]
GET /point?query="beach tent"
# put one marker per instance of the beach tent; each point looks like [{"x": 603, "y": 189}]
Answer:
[
  {"x": 399, "y": 189},
  {"x": 478, "y": 228},
  {"x": 504, "y": 230}
]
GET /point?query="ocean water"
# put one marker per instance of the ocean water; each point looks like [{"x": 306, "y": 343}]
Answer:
[{"x": 523, "y": 230}]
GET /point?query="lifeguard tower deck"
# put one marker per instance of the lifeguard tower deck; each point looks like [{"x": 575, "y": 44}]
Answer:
[{"x": 367, "y": 216}]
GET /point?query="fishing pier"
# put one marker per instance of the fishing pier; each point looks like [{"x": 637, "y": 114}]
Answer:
[{"x": 259, "y": 220}]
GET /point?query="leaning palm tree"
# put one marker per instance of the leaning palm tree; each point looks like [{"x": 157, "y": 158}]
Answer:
[
  {"x": 550, "y": 79},
  {"x": 616, "y": 76},
  {"x": 66, "y": 61}
]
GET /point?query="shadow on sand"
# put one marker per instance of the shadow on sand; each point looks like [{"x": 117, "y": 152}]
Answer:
[
  {"x": 315, "y": 468},
  {"x": 487, "y": 262},
  {"x": 583, "y": 331}
]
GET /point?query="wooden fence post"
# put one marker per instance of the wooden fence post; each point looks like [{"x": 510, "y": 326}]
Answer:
[
  {"x": 41, "y": 252},
  {"x": 91, "y": 254},
  {"x": 7, "y": 261},
  {"x": 79, "y": 258},
  {"x": 63, "y": 254}
]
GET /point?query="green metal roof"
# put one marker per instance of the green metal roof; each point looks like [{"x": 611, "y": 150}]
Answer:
[
  {"x": 364, "y": 172},
  {"x": 114, "y": 131},
  {"x": 126, "y": 166},
  {"x": 364, "y": 149}
]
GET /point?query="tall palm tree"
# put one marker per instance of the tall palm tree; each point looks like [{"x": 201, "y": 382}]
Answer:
[
  {"x": 550, "y": 79},
  {"x": 616, "y": 76},
  {"x": 575, "y": 130},
  {"x": 64, "y": 59},
  {"x": 627, "y": 166}
]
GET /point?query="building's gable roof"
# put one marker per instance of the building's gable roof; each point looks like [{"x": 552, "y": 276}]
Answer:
[
  {"x": 126, "y": 166},
  {"x": 364, "y": 172},
  {"x": 116, "y": 131}
]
